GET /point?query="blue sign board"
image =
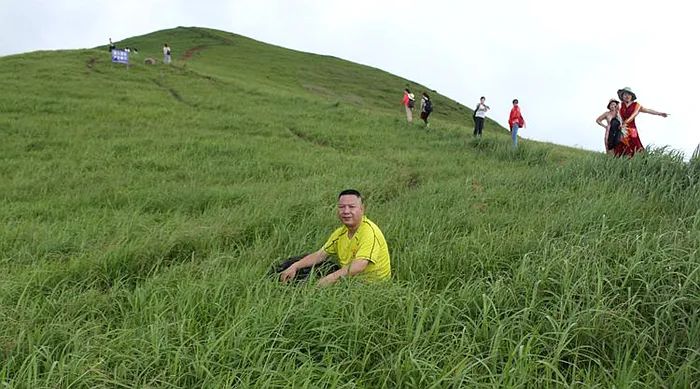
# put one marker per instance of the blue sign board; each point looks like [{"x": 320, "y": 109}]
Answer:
[{"x": 120, "y": 56}]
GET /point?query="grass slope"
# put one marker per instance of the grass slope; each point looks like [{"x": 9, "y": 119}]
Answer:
[{"x": 142, "y": 208}]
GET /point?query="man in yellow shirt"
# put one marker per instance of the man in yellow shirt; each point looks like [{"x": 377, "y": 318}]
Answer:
[{"x": 359, "y": 245}]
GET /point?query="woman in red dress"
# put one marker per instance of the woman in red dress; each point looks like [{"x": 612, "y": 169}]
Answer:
[{"x": 629, "y": 109}]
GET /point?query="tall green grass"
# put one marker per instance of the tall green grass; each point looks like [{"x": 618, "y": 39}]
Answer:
[{"x": 142, "y": 210}]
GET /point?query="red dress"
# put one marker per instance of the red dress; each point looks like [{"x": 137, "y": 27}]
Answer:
[{"x": 630, "y": 144}]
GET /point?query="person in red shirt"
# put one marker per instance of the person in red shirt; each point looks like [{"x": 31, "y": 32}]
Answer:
[
  {"x": 515, "y": 122},
  {"x": 629, "y": 109},
  {"x": 408, "y": 102}
]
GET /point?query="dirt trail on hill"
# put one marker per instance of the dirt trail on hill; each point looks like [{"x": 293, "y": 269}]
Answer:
[{"x": 191, "y": 52}]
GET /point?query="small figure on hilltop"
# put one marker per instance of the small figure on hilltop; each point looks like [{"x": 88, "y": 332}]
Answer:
[
  {"x": 359, "y": 246},
  {"x": 515, "y": 122},
  {"x": 426, "y": 107},
  {"x": 409, "y": 101},
  {"x": 166, "y": 54},
  {"x": 629, "y": 109},
  {"x": 612, "y": 122},
  {"x": 480, "y": 116},
  {"x": 112, "y": 46}
]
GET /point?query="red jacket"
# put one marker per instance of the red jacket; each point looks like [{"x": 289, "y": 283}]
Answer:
[
  {"x": 406, "y": 98},
  {"x": 516, "y": 117}
]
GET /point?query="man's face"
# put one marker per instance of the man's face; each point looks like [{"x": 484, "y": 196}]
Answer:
[{"x": 350, "y": 210}]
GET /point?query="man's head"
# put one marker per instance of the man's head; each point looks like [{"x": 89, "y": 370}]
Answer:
[
  {"x": 515, "y": 101},
  {"x": 482, "y": 99},
  {"x": 350, "y": 208}
]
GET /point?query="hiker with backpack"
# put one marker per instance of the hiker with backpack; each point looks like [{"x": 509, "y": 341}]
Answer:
[
  {"x": 409, "y": 101},
  {"x": 166, "y": 54},
  {"x": 426, "y": 107},
  {"x": 480, "y": 116}
]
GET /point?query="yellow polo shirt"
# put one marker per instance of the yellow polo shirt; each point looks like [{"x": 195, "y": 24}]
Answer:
[{"x": 367, "y": 243}]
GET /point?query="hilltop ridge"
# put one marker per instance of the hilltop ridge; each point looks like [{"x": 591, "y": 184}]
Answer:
[{"x": 235, "y": 57}]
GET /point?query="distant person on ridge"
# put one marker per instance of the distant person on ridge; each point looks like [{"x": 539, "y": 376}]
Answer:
[
  {"x": 629, "y": 109},
  {"x": 611, "y": 121},
  {"x": 426, "y": 107},
  {"x": 515, "y": 122},
  {"x": 480, "y": 116},
  {"x": 409, "y": 100},
  {"x": 112, "y": 46},
  {"x": 166, "y": 53},
  {"x": 359, "y": 246}
]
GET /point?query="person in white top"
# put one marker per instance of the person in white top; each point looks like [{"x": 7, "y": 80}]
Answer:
[
  {"x": 166, "y": 53},
  {"x": 426, "y": 107},
  {"x": 479, "y": 116}
]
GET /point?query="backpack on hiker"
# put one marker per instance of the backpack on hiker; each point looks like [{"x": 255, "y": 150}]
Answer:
[
  {"x": 411, "y": 100},
  {"x": 428, "y": 106}
]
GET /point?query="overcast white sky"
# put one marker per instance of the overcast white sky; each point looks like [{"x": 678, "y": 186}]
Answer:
[{"x": 562, "y": 59}]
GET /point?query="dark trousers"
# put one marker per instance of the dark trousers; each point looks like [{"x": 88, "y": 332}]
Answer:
[
  {"x": 424, "y": 115},
  {"x": 321, "y": 270},
  {"x": 478, "y": 125}
]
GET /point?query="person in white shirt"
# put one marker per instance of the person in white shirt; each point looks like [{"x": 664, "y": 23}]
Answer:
[
  {"x": 166, "y": 53},
  {"x": 479, "y": 116},
  {"x": 426, "y": 107}
]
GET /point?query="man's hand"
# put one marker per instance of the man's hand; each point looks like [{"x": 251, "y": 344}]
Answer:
[{"x": 288, "y": 274}]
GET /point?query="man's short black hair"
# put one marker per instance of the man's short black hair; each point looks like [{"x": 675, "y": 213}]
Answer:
[{"x": 350, "y": 192}]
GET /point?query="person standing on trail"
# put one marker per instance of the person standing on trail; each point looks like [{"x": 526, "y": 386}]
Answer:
[
  {"x": 480, "y": 116},
  {"x": 358, "y": 244},
  {"x": 409, "y": 100},
  {"x": 426, "y": 107},
  {"x": 166, "y": 53},
  {"x": 515, "y": 122}
]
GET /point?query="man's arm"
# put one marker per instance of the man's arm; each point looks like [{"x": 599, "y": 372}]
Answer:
[
  {"x": 357, "y": 266},
  {"x": 308, "y": 261}
]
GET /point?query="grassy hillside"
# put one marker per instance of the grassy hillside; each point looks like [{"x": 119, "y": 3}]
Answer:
[{"x": 141, "y": 209}]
